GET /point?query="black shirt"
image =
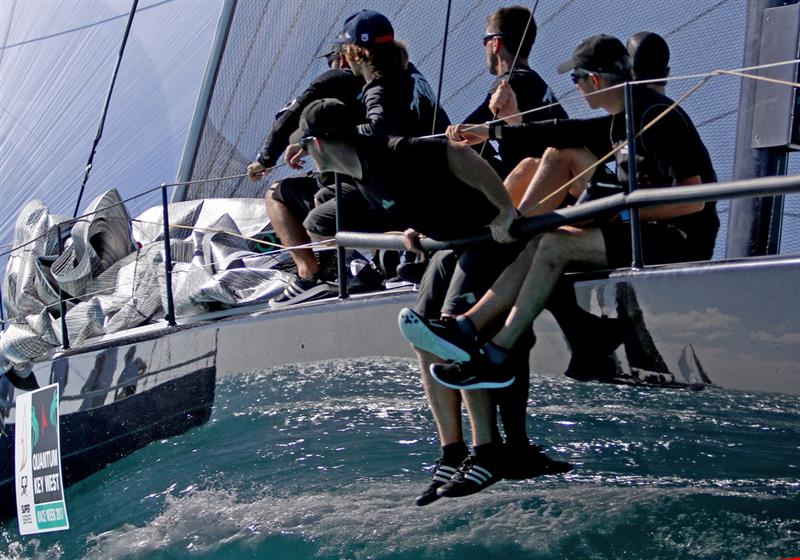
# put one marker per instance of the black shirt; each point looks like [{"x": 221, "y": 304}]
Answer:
[
  {"x": 434, "y": 202},
  {"x": 336, "y": 84},
  {"x": 531, "y": 92},
  {"x": 668, "y": 153},
  {"x": 401, "y": 104}
]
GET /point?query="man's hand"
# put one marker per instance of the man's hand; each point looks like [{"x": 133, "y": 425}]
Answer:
[
  {"x": 256, "y": 171},
  {"x": 468, "y": 133},
  {"x": 501, "y": 224},
  {"x": 294, "y": 156},
  {"x": 411, "y": 241},
  {"x": 503, "y": 104}
]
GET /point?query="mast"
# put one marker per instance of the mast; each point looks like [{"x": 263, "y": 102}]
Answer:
[
  {"x": 195, "y": 133},
  {"x": 754, "y": 225}
]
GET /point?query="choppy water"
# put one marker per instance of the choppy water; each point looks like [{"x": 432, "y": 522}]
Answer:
[{"x": 324, "y": 461}]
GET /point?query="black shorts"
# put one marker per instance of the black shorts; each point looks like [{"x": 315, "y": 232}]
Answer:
[
  {"x": 314, "y": 204},
  {"x": 297, "y": 194},
  {"x": 661, "y": 244},
  {"x": 357, "y": 214}
]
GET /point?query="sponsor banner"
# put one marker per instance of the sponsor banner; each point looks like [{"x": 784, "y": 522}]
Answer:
[{"x": 37, "y": 463}]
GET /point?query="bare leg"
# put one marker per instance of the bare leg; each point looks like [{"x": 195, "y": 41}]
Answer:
[
  {"x": 481, "y": 410},
  {"x": 292, "y": 233},
  {"x": 556, "y": 250},
  {"x": 445, "y": 403},
  {"x": 520, "y": 177},
  {"x": 556, "y": 169}
]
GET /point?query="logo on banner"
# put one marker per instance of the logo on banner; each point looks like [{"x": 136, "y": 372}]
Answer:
[{"x": 40, "y": 491}]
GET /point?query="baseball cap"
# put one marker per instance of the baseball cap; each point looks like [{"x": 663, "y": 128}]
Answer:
[
  {"x": 366, "y": 28},
  {"x": 325, "y": 118},
  {"x": 650, "y": 54},
  {"x": 603, "y": 54}
]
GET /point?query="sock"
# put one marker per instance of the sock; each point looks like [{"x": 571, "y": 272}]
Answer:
[
  {"x": 486, "y": 453},
  {"x": 496, "y": 354},
  {"x": 454, "y": 453},
  {"x": 467, "y": 327}
]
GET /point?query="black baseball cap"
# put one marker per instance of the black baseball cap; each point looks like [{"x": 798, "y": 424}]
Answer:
[
  {"x": 603, "y": 54},
  {"x": 650, "y": 54},
  {"x": 326, "y": 118},
  {"x": 366, "y": 28}
]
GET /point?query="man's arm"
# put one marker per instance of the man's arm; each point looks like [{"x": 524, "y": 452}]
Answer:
[
  {"x": 471, "y": 169},
  {"x": 339, "y": 84},
  {"x": 656, "y": 213},
  {"x": 383, "y": 117}
]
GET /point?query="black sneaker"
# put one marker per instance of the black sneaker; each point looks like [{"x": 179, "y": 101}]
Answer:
[
  {"x": 478, "y": 373},
  {"x": 412, "y": 271},
  {"x": 299, "y": 290},
  {"x": 529, "y": 461},
  {"x": 440, "y": 337},
  {"x": 441, "y": 475},
  {"x": 470, "y": 478}
]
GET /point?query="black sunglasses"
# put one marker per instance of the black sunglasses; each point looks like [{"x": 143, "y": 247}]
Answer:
[
  {"x": 489, "y": 36},
  {"x": 578, "y": 76},
  {"x": 305, "y": 141}
]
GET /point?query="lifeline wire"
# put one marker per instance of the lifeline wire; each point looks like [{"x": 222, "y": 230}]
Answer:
[{"x": 734, "y": 72}]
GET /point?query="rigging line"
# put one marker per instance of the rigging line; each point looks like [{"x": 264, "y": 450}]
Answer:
[
  {"x": 641, "y": 82},
  {"x": 441, "y": 66},
  {"x": 240, "y": 236},
  {"x": 81, "y": 28},
  {"x": 522, "y": 40},
  {"x": 698, "y": 17},
  {"x": 75, "y": 299},
  {"x": 134, "y": 197},
  {"x": 514, "y": 62},
  {"x": 647, "y": 127},
  {"x": 105, "y": 106},
  {"x": 760, "y": 78}
]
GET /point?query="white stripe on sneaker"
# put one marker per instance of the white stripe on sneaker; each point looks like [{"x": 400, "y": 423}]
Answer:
[
  {"x": 482, "y": 471},
  {"x": 475, "y": 479}
]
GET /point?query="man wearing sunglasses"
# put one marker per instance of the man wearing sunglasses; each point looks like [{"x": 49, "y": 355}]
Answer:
[
  {"x": 669, "y": 153},
  {"x": 508, "y": 39}
]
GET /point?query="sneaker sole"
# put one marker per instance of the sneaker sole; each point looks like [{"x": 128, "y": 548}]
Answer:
[
  {"x": 480, "y": 385},
  {"x": 417, "y": 333},
  {"x": 317, "y": 292}
]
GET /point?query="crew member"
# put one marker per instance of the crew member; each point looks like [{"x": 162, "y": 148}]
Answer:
[{"x": 669, "y": 153}]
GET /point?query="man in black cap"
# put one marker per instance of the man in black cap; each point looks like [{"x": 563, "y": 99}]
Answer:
[
  {"x": 669, "y": 153},
  {"x": 395, "y": 99},
  {"x": 468, "y": 194},
  {"x": 289, "y": 200}
]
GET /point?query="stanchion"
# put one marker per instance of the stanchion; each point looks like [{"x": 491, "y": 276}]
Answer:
[
  {"x": 636, "y": 233},
  {"x": 61, "y": 303},
  {"x": 341, "y": 257},
  {"x": 170, "y": 316}
]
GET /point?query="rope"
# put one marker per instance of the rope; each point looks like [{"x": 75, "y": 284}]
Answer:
[
  {"x": 240, "y": 236},
  {"x": 761, "y": 78},
  {"x": 441, "y": 66},
  {"x": 734, "y": 72}
]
